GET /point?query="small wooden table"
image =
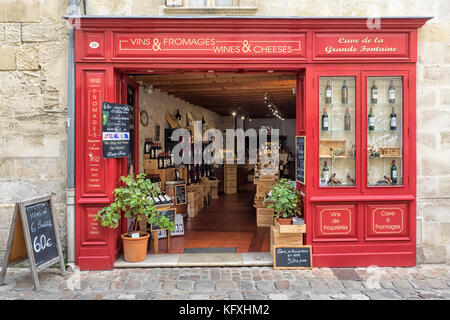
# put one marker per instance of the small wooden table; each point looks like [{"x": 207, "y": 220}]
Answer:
[{"x": 156, "y": 240}]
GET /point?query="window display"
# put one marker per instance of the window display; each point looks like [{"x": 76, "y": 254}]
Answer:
[
  {"x": 384, "y": 134},
  {"x": 337, "y": 144}
]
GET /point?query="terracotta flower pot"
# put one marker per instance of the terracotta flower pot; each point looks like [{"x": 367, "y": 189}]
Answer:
[
  {"x": 285, "y": 221},
  {"x": 135, "y": 249}
]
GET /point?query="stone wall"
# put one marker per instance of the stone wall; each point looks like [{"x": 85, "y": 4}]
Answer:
[
  {"x": 33, "y": 106},
  {"x": 33, "y": 99}
]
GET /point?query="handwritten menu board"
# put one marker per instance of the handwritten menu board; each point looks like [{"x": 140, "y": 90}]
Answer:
[
  {"x": 299, "y": 257},
  {"x": 116, "y": 130},
  {"x": 42, "y": 233},
  {"x": 169, "y": 213},
  {"x": 34, "y": 236},
  {"x": 300, "y": 158},
  {"x": 180, "y": 194}
]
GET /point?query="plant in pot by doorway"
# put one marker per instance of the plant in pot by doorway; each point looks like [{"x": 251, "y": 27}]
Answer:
[
  {"x": 284, "y": 199},
  {"x": 133, "y": 199}
]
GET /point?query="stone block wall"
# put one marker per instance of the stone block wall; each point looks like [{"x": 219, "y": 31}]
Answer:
[
  {"x": 33, "y": 106},
  {"x": 33, "y": 99}
]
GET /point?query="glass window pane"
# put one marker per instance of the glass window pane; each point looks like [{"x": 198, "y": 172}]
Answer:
[
  {"x": 224, "y": 3},
  {"x": 384, "y": 132},
  {"x": 197, "y": 3},
  {"x": 337, "y": 144}
]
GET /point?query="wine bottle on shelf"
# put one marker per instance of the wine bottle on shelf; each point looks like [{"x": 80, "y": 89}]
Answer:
[
  {"x": 371, "y": 120},
  {"x": 325, "y": 172},
  {"x": 345, "y": 93},
  {"x": 163, "y": 200},
  {"x": 147, "y": 146},
  {"x": 391, "y": 93},
  {"x": 156, "y": 200},
  {"x": 325, "y": 120},
  {"x": 166, "y": 197},
  {"x": 393, "y": 120},
  {"x": 328, "y": 93},
  {"x": 347, "y": 119},
  {"x": 393, "y": 172},
  {"x": 374, "y": 93}
]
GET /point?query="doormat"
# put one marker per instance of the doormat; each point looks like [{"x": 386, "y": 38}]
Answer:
[
  {"x": 210, "y": 250},
  {"x": 346, "y": 274}
]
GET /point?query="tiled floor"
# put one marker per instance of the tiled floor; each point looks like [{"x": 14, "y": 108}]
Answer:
[{"x": 229, "y": 221}]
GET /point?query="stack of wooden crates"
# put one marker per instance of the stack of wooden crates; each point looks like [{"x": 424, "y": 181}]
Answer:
[
  {"x": 264, "y": 215},
  {"x": 286, "y": 235},
  {"x": 230, "y": 178}
]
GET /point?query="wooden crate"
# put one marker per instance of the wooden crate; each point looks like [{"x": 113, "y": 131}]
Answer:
[
  {"x": 284, "y": 228},
  {"x": 150, "y": 164},
  {"x": 194, "y": 201},
  {"x": 263, "y": 188},
  {"x": 390, "y": 152},
  {"x": 264, "y": 217},
  {"x": 284, "y": 239},
  {"x": 197, "y": 188},
  {"x": 214, "y": 184},
  {"x": 267, "y": 178}
]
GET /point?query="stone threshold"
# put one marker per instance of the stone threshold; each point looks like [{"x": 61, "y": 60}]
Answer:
[{"x": 251, "y": 259}]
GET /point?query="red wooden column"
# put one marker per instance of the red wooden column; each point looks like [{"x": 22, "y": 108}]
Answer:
[{"x": 95, "y": 177}]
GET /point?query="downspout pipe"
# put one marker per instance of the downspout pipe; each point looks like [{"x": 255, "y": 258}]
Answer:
[{"x": 70, "y": 187}]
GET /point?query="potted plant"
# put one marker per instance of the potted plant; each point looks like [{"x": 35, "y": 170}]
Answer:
[
  {"x": 133, "y": 199},
  {"x": 283, "y": 198}
]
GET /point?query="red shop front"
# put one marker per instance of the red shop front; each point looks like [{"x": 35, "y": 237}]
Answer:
[{"x": 356, "y": 108}]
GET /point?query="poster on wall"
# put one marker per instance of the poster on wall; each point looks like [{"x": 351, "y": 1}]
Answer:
[
  {"x": 116, "y": 130},
  {"x": 300, "y": 157}
]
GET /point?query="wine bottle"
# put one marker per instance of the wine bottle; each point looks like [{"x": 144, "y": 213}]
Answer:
[
  {"x": 393, "y": 172},
  {"x": 374, "y": 93},
  {"x": 325, "y": 172},
  {"x": 345, "y": 93},
  {"x": 325, "y": 120},
  {"x": 393, "y": 121},
  {"x": 347, "y": 120},
  {"x": 371, "y": 120},
  {"x": 156, "y": 200},
  {"x": 328, "y": 93},
  {"x": 166, "y": 197},
  {"x": 391, "y": 93},
  {"x": 147, "y": 146}
]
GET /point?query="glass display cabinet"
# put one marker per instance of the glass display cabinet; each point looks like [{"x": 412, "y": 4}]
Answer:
[{"x": 360, "y": 207}]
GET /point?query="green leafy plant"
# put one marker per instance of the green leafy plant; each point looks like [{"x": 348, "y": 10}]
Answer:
[
  {"x": 133, "y": 200},
  {"x": 284, "y": 199}
]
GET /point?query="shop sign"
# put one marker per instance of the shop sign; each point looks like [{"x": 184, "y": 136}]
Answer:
[
  {"x": 220, "y": 45},
  {"x": 94, "y": 168},
  {"x": 336, "y": 221},
  {"x": 361, "y": 45},
  {"x": 387, "y": 220},
  {"x": 116, "y": 130}
]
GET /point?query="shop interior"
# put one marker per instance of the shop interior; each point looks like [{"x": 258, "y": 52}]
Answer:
[{"x": 220, "y": 207}]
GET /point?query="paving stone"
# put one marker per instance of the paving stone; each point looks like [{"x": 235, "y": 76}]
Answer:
[
  {"x": 316, "y": 284},
  {"x": 246, "y": 285},
  {"x": 265, "y": 285},
  {"x": 353, "y": 284},
  {"x": 133, "y": 285},
  {"x": 300, "y": 284},
  {"x": 282, "y": 285},
  {"x": 402, "y": 284},
  {"x": 168, "y": 285},
  {"x": 203, "y": 286},
  {"x": 335, "y": 284},
  {"x": 185, "y": 285},
  {"x": 225, "y": 285},
  {"x": 359, "y": 297},
  {"x": 278, "y": 296},
  {"x": 437, "y": 284},
  {"x": 152, "y": 285}
]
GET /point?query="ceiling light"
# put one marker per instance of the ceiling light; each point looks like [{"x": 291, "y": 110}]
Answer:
[
  {"x": 150, "y": 71},
  {"x": 242, "y": 118},
  {"x": 234, "y": 114},
  {"x": 210, "y": 71},
  {"x": 270, "y": 71}
]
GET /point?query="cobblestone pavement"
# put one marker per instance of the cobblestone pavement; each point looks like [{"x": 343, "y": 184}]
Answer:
[{"x": 236, "y": 283}]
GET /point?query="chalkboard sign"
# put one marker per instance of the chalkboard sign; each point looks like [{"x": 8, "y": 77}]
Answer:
[
  {"x": 116, "y": 130},
  {"x": 169, "y": 213},
  {"x": 42, "y": 232},
  {"x": 34, "y": 236},
  {"x": 180, "y": 194},
  {"x": 300, "y": 157},
  {"x": 296, "y": 257}
]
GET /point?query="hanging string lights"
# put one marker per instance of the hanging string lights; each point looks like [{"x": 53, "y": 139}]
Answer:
[{"x": 272, "y": 107}]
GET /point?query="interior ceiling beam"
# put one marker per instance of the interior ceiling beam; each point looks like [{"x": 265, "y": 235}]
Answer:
[
  {"x": 203, "y": 88},
  {"x": 214, "y": 81},
  {"x": 211, "y": 75}
]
